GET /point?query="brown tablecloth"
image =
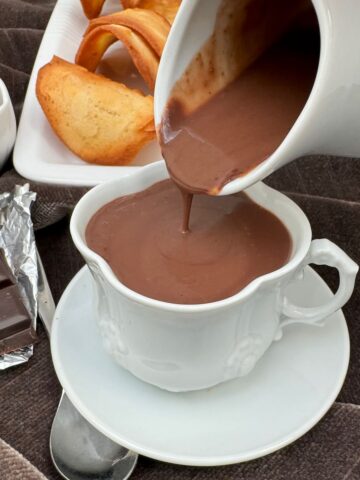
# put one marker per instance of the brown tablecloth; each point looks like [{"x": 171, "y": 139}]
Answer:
[{"x": 328, "y": 191}]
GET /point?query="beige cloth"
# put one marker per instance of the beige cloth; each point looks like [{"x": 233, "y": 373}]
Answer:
[{"x": 13, "y": 466}]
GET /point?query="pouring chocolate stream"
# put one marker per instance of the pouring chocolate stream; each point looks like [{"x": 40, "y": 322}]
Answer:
[{"x": 208, "y": 140}]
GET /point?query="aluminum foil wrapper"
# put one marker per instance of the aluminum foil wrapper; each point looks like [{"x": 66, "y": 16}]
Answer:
[{"x": 17, "y": 240}]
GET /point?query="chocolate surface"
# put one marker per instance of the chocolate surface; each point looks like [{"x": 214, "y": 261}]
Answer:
[
  {"x": 231, "y": 241},
  {"x": 243, "y": 124}
]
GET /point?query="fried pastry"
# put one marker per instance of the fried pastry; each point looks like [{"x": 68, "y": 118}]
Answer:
[
  {"x": 101, "y": 121},
  {"x": 92, "y": 8},
  {"x": 166, "y": 8},
  {"x": 150, "y": 25},
  {"x": 95, "y": 44}
]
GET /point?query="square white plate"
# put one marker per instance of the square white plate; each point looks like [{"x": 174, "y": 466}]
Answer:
[{"x": 39, "y": 155}]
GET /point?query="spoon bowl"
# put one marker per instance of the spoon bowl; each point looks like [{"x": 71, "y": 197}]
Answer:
[{"x": 80, "y": 452}]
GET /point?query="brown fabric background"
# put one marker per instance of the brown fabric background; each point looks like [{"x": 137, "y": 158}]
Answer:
[{"x": 328, "y": 191}]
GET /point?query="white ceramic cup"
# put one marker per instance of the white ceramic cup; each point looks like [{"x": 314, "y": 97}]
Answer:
[
  {"x": 7, "y": 124},
  {"x": 189, "y": 347},
  {"x": 329, "y": 122}
]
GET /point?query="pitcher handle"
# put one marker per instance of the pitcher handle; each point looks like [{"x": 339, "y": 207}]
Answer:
[{"x": 323, "y": 252}]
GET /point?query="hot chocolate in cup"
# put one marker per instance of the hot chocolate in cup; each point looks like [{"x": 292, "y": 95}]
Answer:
[{"x": 188, "y": 347}]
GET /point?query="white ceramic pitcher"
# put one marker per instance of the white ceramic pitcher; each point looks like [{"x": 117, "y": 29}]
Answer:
[{"x": 330, "y": 120}]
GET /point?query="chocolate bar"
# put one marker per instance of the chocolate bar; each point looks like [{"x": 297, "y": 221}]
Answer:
[{"x": 15, "y": 322}]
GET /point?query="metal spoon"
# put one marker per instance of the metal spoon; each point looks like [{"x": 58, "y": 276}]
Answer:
[{"x": 78, "y": 450}]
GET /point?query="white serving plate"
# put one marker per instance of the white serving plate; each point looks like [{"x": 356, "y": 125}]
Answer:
[{"x": 39, "y": 155}]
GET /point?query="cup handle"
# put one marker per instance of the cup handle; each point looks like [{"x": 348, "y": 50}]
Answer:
[{"x": 323, "y": 252}]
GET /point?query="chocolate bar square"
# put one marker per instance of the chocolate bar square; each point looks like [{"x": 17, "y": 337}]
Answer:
[
  {"x": 6, "y": 276},
  {"x": 15, "y": 322},
  {"x": 14, "y": 317}
]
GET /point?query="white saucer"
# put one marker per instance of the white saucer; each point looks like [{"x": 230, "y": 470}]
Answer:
[{"x": 291, "y": 388}]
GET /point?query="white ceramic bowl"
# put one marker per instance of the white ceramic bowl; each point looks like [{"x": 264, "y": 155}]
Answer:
[
  {"x": 7, "y": 124},
  {"x": 189, "y": 347}
]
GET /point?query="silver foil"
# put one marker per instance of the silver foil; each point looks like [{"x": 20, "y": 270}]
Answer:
[{"x": 18, "y": 242}]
